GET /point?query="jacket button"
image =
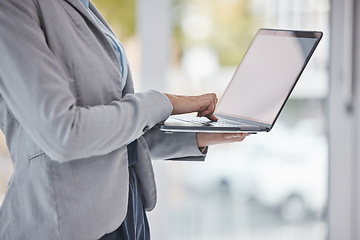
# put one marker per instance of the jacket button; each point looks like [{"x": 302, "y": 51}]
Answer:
[{"x": 146, "y": 129}]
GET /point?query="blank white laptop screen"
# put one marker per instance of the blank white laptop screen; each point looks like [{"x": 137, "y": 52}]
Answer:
[
  {"x": 261, "y": 83},
  {"x": 260, "y": 86}
]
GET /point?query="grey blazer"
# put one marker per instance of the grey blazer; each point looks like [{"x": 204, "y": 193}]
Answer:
[{"x": 67, "y": 122}]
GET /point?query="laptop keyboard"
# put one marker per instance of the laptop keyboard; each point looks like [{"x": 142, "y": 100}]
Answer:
[{"x": 203, "y": 121}]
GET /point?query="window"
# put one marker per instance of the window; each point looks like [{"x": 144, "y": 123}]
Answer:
[{"x": 272, "y": 185}]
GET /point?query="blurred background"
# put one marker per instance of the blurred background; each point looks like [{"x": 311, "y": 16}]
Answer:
[{"x": 271, "y": 186}]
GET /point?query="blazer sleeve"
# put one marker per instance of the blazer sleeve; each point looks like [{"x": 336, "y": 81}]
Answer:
[
  {"x": 173, "y": 146},
  {"x": 36, "y": 91}
]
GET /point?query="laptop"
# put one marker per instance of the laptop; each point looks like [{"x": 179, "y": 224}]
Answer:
[{"x": 260, "y": 86}]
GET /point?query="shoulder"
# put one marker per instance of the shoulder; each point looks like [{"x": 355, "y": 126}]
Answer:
[
  {"x": 16, "y": 8},
  {"x": 16, "y": 12}
]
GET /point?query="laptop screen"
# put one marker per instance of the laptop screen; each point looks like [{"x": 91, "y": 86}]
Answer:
[{"x": 267, "y": 75}]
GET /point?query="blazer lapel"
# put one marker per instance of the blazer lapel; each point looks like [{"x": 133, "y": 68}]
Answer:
[
  {"x": 95, "y": 27},
  {"x": 82, "y": 10}
]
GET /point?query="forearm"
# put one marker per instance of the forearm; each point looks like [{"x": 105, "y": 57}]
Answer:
[{"x": 174, "y": 146}]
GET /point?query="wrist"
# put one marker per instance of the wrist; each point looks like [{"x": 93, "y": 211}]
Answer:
[{"x": 199, "y": 140}]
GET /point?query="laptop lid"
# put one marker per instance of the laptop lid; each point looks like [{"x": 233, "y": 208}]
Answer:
[
  {"x": 261, "y": 84},
  {"x": 267, "y": 75}
]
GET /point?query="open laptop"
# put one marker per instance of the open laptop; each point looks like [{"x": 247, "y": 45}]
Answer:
[{"x": 260, "y": 86}]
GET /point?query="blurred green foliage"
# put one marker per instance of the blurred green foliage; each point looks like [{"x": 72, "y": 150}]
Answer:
[
  {"x": 233, "y": 27},
  {"x": 120, "y": 14}
]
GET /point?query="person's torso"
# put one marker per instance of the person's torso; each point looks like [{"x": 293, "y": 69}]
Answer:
[{"x": 83, "y": 198}]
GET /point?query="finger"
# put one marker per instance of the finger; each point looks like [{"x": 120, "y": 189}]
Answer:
[
  {"x": 211, "y": 107},
  {"x": 208, "y": 105},
  {"x": 216, "y": 100},
  {"x": 205, "y": 112},
  {"x": 212, "y": 96},
  {"x": 235, "y": 137},
  {"x": 209, "y": 101},
  {"x": 212, "y": 117}
]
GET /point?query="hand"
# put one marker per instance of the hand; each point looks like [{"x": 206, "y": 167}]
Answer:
[
  {"x": 204, "y": 104},
  {"x": 207, "y": 139}
]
